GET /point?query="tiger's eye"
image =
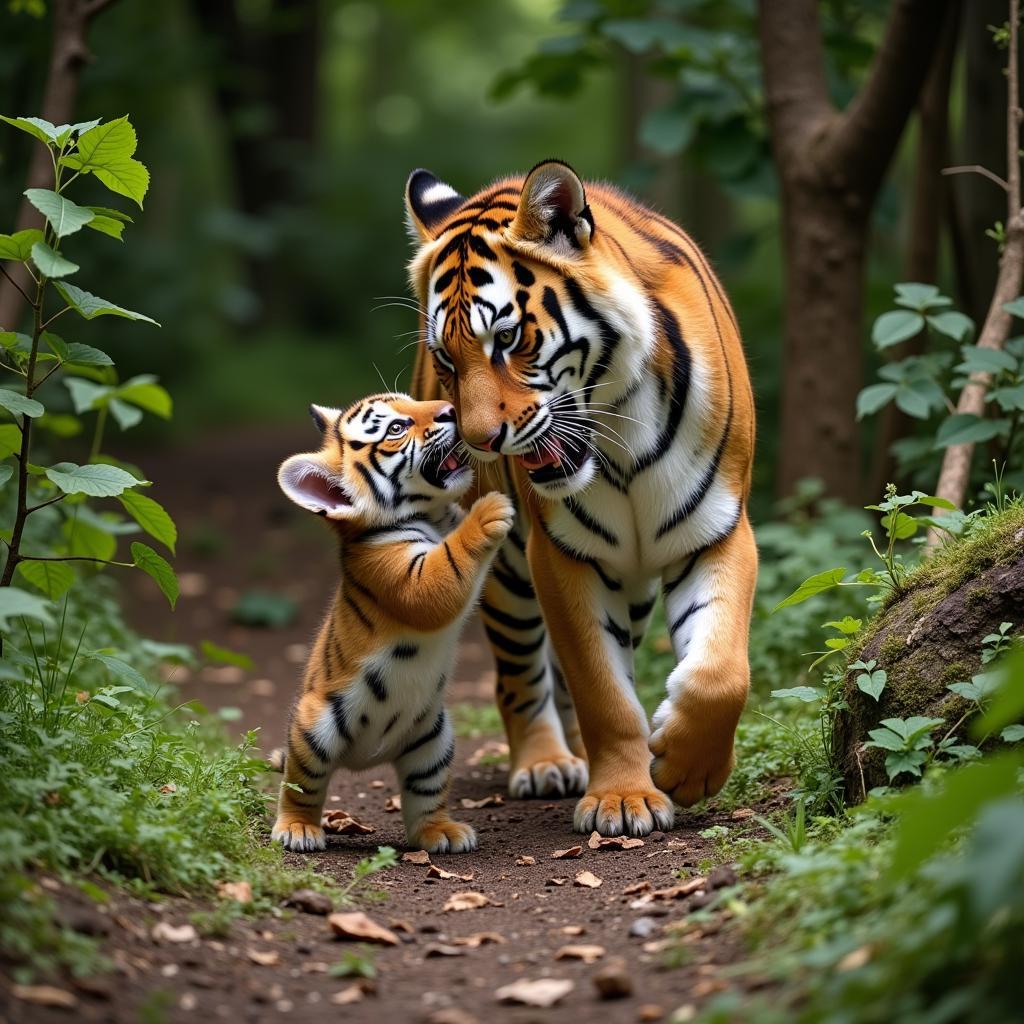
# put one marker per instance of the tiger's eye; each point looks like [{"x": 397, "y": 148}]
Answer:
[{"x": 506, "y": 336}]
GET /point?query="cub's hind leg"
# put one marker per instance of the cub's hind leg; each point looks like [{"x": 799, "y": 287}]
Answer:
[
  {"x": 314, "y": 738},
  {"x": 424, "y": 773}
]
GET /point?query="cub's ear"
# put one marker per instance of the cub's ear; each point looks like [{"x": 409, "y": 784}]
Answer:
[
  {"x": 553, "y": 210},
  {"x": 429, "y": 202},
  {"x": 324, "y": 416},
  {"x": 311, "y": 484}
]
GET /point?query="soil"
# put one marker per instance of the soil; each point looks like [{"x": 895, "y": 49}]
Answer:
[{"x": 238, "y": 533}]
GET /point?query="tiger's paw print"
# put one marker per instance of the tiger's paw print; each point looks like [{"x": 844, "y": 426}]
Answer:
[
  {"x": 561, "y": 775},
  {"x": 444, "y": 837},
  {"x": 298, "y": 836},
  {"x": 635, "y": 812},
  {"x": 494, "y": 514}
]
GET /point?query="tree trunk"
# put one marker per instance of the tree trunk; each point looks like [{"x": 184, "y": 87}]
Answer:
[{"x": 69, "y": 55}]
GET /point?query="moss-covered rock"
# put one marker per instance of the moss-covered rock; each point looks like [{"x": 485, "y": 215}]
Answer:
[{"x": 931, "y": 637}]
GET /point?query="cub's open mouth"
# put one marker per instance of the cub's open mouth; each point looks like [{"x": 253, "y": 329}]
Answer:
[
  {"x": 441, "y": 465},
  {"x": 553, "y": 459}
]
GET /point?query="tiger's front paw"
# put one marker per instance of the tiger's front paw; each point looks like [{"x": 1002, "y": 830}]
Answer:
[
  {"x": 559, "y": 774},
  {"x": 625, "y": 810},
  {"x": 494, "y": 514},
  {"x": 444, "y": 837},
  {"x": 298, "y": 836}
]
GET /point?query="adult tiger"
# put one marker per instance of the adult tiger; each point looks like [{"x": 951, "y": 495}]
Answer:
[{"x": 596, "y": 365}]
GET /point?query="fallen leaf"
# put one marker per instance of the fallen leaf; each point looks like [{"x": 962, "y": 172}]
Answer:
[
  {"x": 241, "y": 892},
  {"x": 164, "y": 931},
  {"x": 524, "y": 861},
  {"x": 556, "y": 881},
  {"x": 494, "y": 749},
  {"x": 416, "y": 857},
  {"x": 488, "y": 801},
  {"x": 263, "y": 957},
  {"x": 341, "y": 823},
  {"x": 354, "y": 993},
  {"x": 44, "y": 995},
  {"x": 469, "y": 901},
  {"x": 571, "y": 854},
  {"x": 401, "y": 925},
  {"x": 377, "y": 784},
  {"x": 479, "y": 939},
  {"x": 588, "y": 954},
  {"x": 647, "y": 1013},
  {"x": 636, "y": 887},
  {"x": 599, "y": 842},
  {"x": 436, "y": 872},
  {"x": 356, "y": 925},
  {"x": 393, "y": 803},
  {"x": 542, "y": 992},
  {"x": 309, "y": 901},
  {"x": 573, "y": 929},
  {"x": 676, "y": 892},
  {"x": 742, "y": 813},
  {"x": 437, "y": 949},
  {"x": 587, "y": 879}
]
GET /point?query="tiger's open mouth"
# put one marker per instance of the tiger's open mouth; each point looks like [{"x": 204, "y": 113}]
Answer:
[
  {"x": 554, "y": 458},
  {"x": 443, "y": 464}
]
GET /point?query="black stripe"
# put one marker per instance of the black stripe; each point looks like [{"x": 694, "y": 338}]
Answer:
[
  {"x": 510, "y": 668},
  {"x": 337, "y": 702},
  {"x": 511, "y": 621},
  {"x": 318, "y": 749},
  {"x": 435, "y": 730},
  {"x": 444, "y": 761},
  {"x": 391, "y": 722},
  {"x": 375, "y": 682},
  {"x": 620, "y": 635},
  {"x": 510, "y": 646},
  {"x": 451, "y": 562},
  {"x": 416, "y": 559},
  {"x": 540, "y": 707},
  {"x": 404, "y": 652},
  {"x": 372, "y": 484},
  {"x": 295, "y": 758},
  {"x": 350, "y": 601},
  {"x": 695, "y": 607},
  {"x": 580, "y": 514},
  {"x": 687, "y": 569},
  {"x": 638, "y": 612},
  {"x": 513, "y": 583}
]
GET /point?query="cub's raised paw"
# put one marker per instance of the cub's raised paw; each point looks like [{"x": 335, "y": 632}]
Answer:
[
  {"x": 635, "y": 813},
  {"x": 298, "y": 836},
  {"x": 495, "y": 513},
  {"x": 444, "y": 837}
]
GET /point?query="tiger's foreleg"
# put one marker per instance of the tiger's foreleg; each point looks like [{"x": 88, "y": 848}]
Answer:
[
  {"x": 708, "y": 600},
  {"x": 424, "y": 772},
  {"x": 589, "y": 618},
  {"x": 534, "y": 703}
]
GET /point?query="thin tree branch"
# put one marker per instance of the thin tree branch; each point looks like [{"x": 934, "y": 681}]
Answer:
[
  {"x": 24, "y": 294},
  {"x": 978, "y": 169},
  {"x": 74, "y": 558}
]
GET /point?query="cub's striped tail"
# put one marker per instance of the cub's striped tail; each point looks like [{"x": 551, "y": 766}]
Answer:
[{"x": 276, "y": 759}]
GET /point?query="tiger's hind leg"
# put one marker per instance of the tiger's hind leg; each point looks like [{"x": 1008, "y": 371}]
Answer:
[{"x": 545, "y": 749}]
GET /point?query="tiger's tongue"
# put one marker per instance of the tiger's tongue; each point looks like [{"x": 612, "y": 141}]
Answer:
[
  {"x": 451, "y": 464},
  {"x": 550, "y": 455}
]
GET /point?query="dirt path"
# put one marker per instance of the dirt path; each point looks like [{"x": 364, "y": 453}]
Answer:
[{"x": 238, "y": 534}]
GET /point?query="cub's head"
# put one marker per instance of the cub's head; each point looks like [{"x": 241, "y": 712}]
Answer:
[
  {"x": 523, "y": 306},
  {"x": 383, "y": 458}
]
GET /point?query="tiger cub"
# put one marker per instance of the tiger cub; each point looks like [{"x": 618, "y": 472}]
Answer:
[{"x": 388, "y": 479}]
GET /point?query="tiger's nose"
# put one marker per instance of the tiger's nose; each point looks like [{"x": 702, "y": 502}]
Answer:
[
  {"x": 490, "y": 444},
  {"x": 446, "y": 414}
]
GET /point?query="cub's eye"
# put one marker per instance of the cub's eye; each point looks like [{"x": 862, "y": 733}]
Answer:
[
  {"x": 507, "y": 336},
  {"x": 396, "y": 429}
]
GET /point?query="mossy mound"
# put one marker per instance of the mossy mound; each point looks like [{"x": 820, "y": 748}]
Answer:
[{"x": 931, "y": 637}]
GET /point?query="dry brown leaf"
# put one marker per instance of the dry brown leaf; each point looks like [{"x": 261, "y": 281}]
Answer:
[
  {"x": 377, "y": 784},
  {"x": 542, "y": 992},
  {"x": 354, "y": 993},
  {"x": 488, "y": 801},
  {"x": 356, "y": 925},
  {"x": 588, "y": 954},
  {"x": 647, "y": 1013},
  {"x": 573, "y": 929},
  {"x": 525, "y": 861},
  {"x": 469, "y": 901},
  {"x": 241, "y": 892},
  {"x": 437, "y": 949},
  {"x": 168, "y": 787},
  {"x": 478, "y": 939},
  {"x": 416, "y": 857},
  {"x": 44, "y": 995},
  {"x": 447, "y": 876},
  {"x": 164, "y": 931},
  {"x": 492, "y": 748},
  {"x": 341, "y": 823},
  {"x": 393, "y": 803},
  {"x": 676, "y": 892},
  {"x": 263, "y": 957},
  {"x": 556, "y": 881},
  {"x": 399, "y": 924},
  {"x": 636, "y": 888},
  {"x": 599, "y": 842},
  {"x": 742, "y": 813},
  {"x": 587, "y": 879},
  {"x": 571, "y": 854}
]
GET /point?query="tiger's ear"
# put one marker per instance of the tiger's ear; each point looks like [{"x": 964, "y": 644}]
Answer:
[
  {"x": 553, "y": 210},
  {"x": 324, "y": 416},
  {"x": 429, "y": 202},
  {"x": 312, "y": 485}
]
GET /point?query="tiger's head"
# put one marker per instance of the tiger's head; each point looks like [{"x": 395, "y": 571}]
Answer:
[
  {"x": 524, "y": 303},
  {"x": 384, "y": 458}
]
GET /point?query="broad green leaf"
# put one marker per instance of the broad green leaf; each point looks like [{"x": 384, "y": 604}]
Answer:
[
  {"x": 6, "y": 472},
  {"x": 911, "y": 728},
  {"x": 158, "y": 568},
  {"x": 816, "y": 584},
  {"x": 873, "y": 397},
  {"x": 87, "y": 540},
  {"x": 932, "y": 501},
  {"x": 54, "y": 579},
  {"x": 106, "y": 151},
  {"x": 901, "y": 761},
  {"x": 15, "y": 603},
  {"x": 107, "y": 226},
  {"x": 922, "y": 297},
  {"x": 10, "y": 439},
  {"x": 34, "y": 126},
  {"x": 847, "y": 625},
  {"x": 1008, "y": 705},
  {"x": 925, "y": 820},
  {"x": 896, "y": 326},
  {"x": 151, "y": 516},
  {"x": 1015, "y": 308},
  {"x": 966, "y": 428},
  {"x": 127, "y": 416},
  {"x": 19, "y": 245},
  {"x": 913, "y": 403},
  {"x": 86, "y": 394},
  {"x": 90, "y": 306},
  {"x": 1009, "y": 399},
  {"x": 985, "y": 360},
  {"x": 86, "y": 355},
  {"x": 97, "y": 479},
  {"x": 109, "y": 211},
  {"x": 668, "y": 130},
  {"x": 807, "y": 694},
  {"x": 64, "y": 216},
  {"x": 952, "y": 324},
  {"x": 144, "y": 392},
  {"x": 886, "y": 739},
  {"x": 121, "y": 669},
  {"x": 1012, "y": 734},
  {"x": 872, "y": 683},
  {"x": 18, "y": 404},
  {"x": 899, "y": 525},
  {"x": 51, "y": 263},
  {"x": 222, "y": 655}
]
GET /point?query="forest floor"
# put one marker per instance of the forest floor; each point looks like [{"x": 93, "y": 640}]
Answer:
[{"x": 630, "y": 920}]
